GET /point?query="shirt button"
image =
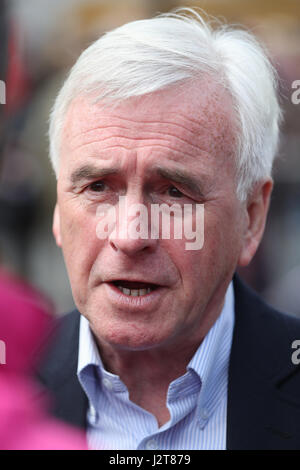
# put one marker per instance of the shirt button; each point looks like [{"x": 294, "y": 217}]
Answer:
[
  {"x": 93, "y": 415},
  {"x": 107, "y": 384},
  {"x": 204, "y": 414},
  {"x": 151, "y": 444}
]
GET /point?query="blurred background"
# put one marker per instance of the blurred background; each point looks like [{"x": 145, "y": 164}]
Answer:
[{"x": 39, "y": 41}]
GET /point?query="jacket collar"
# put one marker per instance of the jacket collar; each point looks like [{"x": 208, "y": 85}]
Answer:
[
  {"x": 263, "y": 386},
  {"x": 59, "y": 373}
]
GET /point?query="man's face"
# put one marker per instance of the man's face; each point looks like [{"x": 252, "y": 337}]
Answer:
[{"x": 137, "y": 150}]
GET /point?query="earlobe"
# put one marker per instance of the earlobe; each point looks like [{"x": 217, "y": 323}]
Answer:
[
  {"x": 257, "y": 210},
  {"x": 56, "y": 226}
]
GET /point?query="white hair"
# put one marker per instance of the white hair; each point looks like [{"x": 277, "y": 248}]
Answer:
[{"x": 143, "y": 56}]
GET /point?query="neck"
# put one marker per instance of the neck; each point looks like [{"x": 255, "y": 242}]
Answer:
[
  {"x": 147, "y": 377},
  {"x": 149, "y": 366}
]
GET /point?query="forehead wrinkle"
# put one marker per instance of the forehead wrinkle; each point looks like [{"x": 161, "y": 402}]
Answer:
[
  {"x": 142, "y": 122},
  {"x": 194, "y": 129},
  {"x": 149, "y": 145},
  {"x": 216, "y": 142},
  {"x": 200, "y": 123},
  {"x": 211, "y": 123},
  {"x": 197, "y": 125},
  {"x": 219, "y": 127},
  {"x": 188, "y": 142},
  {"x": 142, "y": 139},
  {"x": 158, "y": 123},
  {"x": 101, "y": 128}
]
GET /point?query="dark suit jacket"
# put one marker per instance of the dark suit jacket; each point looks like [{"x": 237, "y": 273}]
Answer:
[{"x": 264, "y": 385}]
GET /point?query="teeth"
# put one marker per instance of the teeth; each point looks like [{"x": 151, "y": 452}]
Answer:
[
  {"x": 143, "y": 291},
  {"x": 135, "y": 292}
]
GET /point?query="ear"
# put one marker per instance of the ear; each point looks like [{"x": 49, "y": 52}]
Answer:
[
  {"x": 257, "y": 207},
  {"x": 56, "y": 226}
]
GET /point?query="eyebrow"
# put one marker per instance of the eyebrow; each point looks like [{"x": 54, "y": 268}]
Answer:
[
  {"x": 90, "y": 172},
  {"x": 186, "y": 180}
]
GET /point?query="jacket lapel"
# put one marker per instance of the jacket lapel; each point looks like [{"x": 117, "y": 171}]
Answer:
[
  {"x": 59, "y": 373},
  {"x": 263, "y": 387}
]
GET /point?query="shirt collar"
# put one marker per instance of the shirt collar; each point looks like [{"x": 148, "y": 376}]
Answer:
[
  {"x": 211, "y": 360},
  {"x": 88, "y": 353}
]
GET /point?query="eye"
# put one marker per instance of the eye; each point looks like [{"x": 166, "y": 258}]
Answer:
[
  {"x": 97, "y": 186},
  {"x": 174, "y": 192}
]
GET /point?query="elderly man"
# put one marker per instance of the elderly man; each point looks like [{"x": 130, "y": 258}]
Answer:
[{"x": 168, "y": 349}]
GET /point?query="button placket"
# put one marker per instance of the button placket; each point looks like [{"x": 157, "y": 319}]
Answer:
[{"x": 93, "y": 415}]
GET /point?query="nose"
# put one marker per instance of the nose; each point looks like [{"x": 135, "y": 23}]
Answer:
[{"x": 132, "y": 232}]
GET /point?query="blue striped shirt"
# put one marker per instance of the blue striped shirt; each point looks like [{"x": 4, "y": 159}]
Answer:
[{"x": 197, "y": 401}]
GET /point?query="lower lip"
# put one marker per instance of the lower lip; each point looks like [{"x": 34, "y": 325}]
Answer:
[{"x": 142, "y": 302}]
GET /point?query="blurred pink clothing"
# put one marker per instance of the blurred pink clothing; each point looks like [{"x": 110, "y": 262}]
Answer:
[{"x": 25, "y": 323}]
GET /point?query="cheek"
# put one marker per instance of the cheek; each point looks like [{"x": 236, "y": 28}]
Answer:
[
  {"x": 218, "y": 256},
  {"x": 79, "y": 241},
  {"x": 223, "y": 239}
]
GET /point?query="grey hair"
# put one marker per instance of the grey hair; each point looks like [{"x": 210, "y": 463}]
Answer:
[{"x": 143, "y": 56}]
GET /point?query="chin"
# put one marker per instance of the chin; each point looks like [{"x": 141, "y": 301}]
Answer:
[{"x": 130, "y": 339}]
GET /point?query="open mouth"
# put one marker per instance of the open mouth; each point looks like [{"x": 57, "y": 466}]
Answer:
[{"x": 134, "y": 289}]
